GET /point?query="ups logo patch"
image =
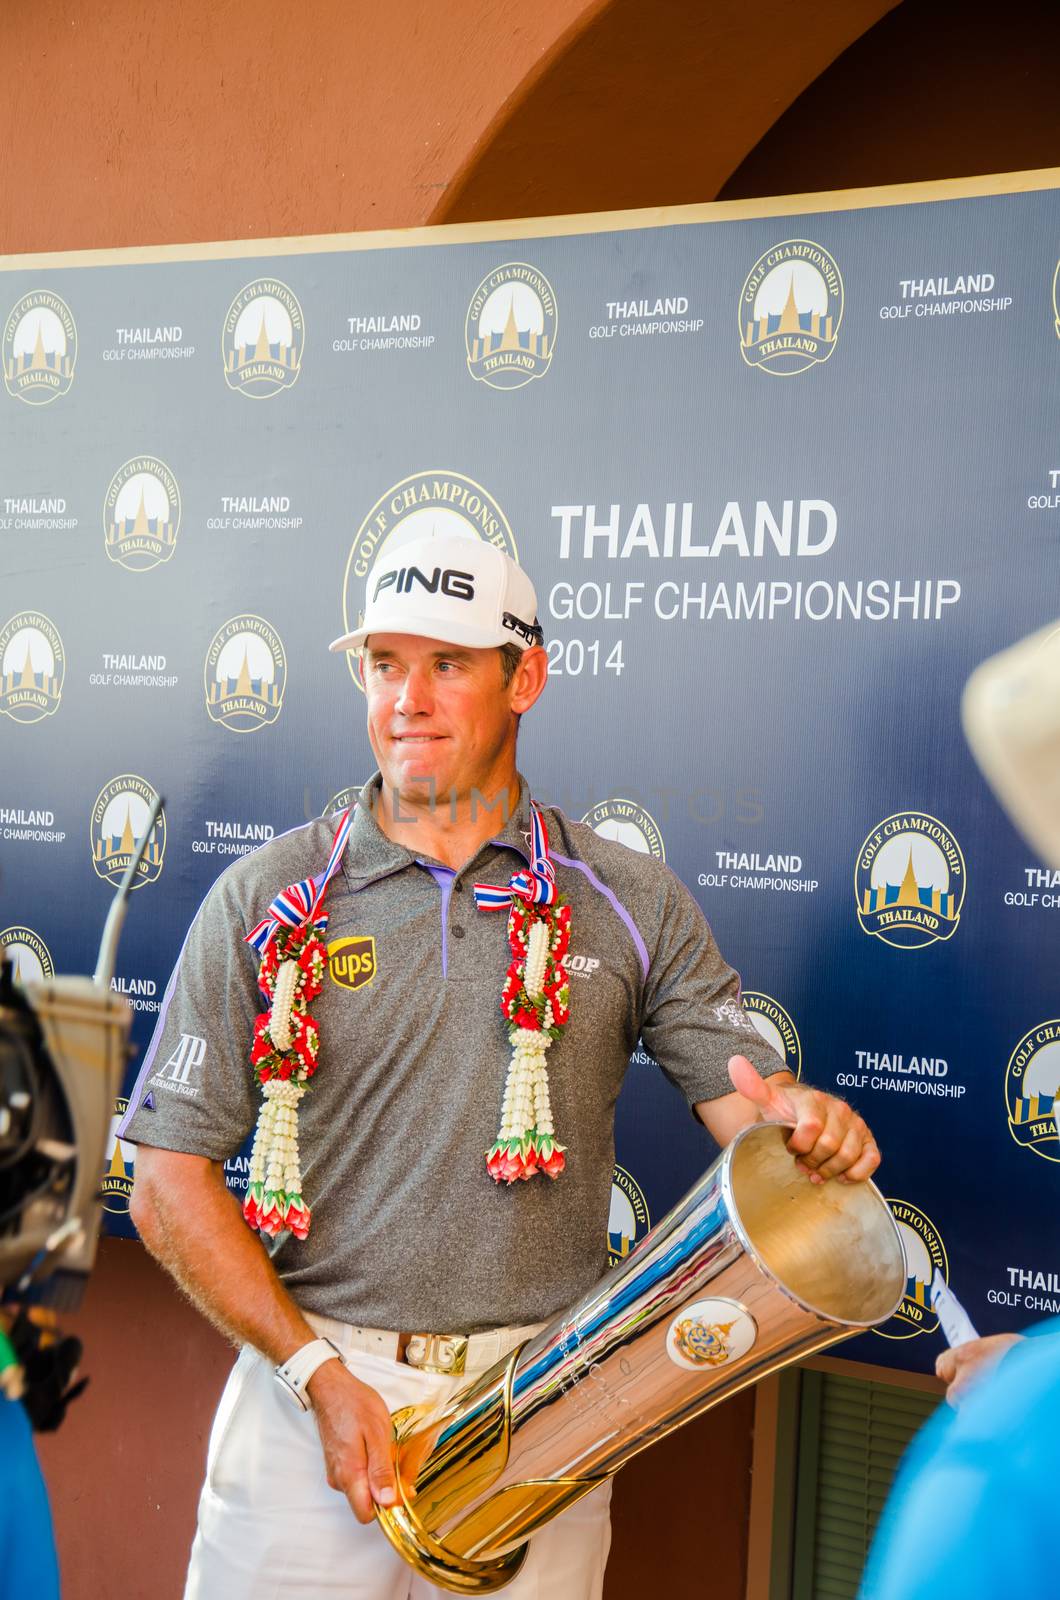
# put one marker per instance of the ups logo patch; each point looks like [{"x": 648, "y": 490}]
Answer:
[{"x": 351, "y": 962}]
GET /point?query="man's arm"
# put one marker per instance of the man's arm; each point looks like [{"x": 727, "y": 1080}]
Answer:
[
  {"x": 191, "y": 1223},
  {"x": 692, "y": 1022},
  {"x": 829, "y": 1139}
]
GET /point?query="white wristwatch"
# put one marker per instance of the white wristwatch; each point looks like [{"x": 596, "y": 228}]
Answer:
[{"x": 296, "y": 1371}]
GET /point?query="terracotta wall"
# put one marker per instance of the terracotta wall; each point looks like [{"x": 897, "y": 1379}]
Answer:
[
  {"x": 134, "y": 122},
  {"x": 938, "y": 89}
]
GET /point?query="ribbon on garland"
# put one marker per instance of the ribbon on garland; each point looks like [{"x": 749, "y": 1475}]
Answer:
[
  {"x": 295, "y": 906},
  {"x": 535, "y": 1002},
  {"x": 289, "y": 940},
  {"x": 537, "y": 887}
]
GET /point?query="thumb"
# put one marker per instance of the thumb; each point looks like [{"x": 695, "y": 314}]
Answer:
[
  {"x": 748, "y": 1081},
  {"x": 381, "y": 1469}
]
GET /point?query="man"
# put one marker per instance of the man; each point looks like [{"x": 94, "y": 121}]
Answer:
[
  {"x": 971, "y": 1483},
  {"x": 413, "y": 1247}
]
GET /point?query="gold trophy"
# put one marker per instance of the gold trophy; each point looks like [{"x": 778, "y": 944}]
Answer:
[{"x": 755, "y": 1268}]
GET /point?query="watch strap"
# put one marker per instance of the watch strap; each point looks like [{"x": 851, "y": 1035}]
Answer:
[{"x": 294, "y": 1374}]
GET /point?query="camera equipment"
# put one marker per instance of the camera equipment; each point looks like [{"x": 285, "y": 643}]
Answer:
[{"x": 63, "y": 1049}]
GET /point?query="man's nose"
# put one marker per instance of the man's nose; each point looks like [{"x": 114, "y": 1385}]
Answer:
[{"x": 415, "y": 696}]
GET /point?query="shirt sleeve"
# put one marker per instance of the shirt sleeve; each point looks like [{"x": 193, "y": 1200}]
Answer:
[
  {"x": 693, "y": 1019},
  {"x": 196, "y": 1090}
]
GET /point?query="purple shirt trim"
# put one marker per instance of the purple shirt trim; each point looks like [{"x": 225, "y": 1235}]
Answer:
[
  {"x": 619, "y": 908},
  {"x": 443, "y": 877},
  {"x": 133, "y": 1104}
]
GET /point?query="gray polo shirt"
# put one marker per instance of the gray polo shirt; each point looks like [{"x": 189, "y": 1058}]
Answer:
[{"x": 409, "y": 1231}]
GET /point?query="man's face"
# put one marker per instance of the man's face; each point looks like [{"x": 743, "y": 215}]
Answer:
[{"x": 440, "y": 718}]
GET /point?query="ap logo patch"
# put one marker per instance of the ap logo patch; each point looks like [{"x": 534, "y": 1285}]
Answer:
[{"x": 180, "y": 1073}]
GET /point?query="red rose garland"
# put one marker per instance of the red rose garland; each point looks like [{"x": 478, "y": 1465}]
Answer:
[
  {"x": 536, "y": 1002},
  {"x": 284, "y": 1058},
  {"x": 294, "y": 959}
]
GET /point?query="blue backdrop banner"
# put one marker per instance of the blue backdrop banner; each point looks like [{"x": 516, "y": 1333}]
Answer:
[{"x": 782, "y": 479}]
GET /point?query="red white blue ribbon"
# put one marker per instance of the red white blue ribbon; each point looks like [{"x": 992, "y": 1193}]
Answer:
[
  {"x": 296, "y": 906},
  {"x": 536, "y": 886}
]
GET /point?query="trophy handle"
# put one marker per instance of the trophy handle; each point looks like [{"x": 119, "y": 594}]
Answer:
[
  {"x": 414, "y": 1439},
  {"x": 439, "y": 1565}
]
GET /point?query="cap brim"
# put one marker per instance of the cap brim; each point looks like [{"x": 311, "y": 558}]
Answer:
[{"x": 427, "y": 628}]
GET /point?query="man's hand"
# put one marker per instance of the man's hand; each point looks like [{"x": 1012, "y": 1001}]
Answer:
[
  {"x": 358, "y": 1438},
  {"x": 961, "y": 1368},
  {"x": 829, "y": 1140}
]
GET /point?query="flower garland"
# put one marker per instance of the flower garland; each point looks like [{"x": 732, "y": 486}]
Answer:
[
  {"x": 535, "y": 1002},
  {"x": 284, "y": 1058},
  {"x": 294, "y": 959}
]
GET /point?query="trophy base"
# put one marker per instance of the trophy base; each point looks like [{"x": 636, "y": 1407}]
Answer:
[{"x": 432, "y": 1561}]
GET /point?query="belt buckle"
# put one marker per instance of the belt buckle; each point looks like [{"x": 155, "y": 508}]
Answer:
[{"x": 445, "y": 1353}]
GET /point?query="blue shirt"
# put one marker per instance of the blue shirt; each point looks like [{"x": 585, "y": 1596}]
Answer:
[
  {"x": 28, "y": 1563},
  {"x": 973, "y": 1512}
]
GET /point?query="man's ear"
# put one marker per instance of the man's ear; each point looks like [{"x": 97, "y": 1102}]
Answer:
[{"x": 531, "y": 675}]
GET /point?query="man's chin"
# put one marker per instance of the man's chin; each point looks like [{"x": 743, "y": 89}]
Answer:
[{"x": 416, "y": 780}]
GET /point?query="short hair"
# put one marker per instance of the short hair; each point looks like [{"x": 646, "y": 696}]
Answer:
[{"x": 511, "y": 655}]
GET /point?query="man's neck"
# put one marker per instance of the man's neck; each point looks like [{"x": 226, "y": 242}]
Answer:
[{"x": 448, "y": 828}]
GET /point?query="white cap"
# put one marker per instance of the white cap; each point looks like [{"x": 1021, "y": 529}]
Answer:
[{"x": 447, "y": 587}]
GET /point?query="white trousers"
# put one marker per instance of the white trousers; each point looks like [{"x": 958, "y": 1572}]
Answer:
[{"x": 270, "y": 1528}]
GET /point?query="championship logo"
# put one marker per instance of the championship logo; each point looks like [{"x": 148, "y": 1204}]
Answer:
[
  {"x": 245, "y": 674},
  {"x": 40, "y": 348},
  {"x": 32, "y": 667},
  {"x": 628, "y": 1220},
  {"x": 424, "y": 504},
  {"x": 351, "y": 962},
  {"x": 116, "y": 1186},
  {"x": 510, "y": 329},
  {"x": 910, "y": 881},
  {"x": 924, "y": 1251},
  {"x": 1032, "y": 1090},
  {"x": 263, "y": 339},
  {"x": 790, "y": 309},
  {"x": 629, "y": 824},
  {"x": 141, "y": 514},
  {"x": 342, "y": 800},
  {"x": 29, "y": 955},
  {"x": 710, "y": 1333},
  {"x": 776, "y": 1027},
  {"x": 119, "y": 818}
]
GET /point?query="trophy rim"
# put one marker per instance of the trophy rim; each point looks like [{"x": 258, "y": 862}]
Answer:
[{"x": 855, "y": 1324}]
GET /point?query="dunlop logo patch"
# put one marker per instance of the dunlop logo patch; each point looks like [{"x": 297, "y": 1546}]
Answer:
[{"x": 351, "y": 962}]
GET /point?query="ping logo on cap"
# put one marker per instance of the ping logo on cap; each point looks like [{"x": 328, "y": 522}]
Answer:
[{"x": 457, "y": 585}]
